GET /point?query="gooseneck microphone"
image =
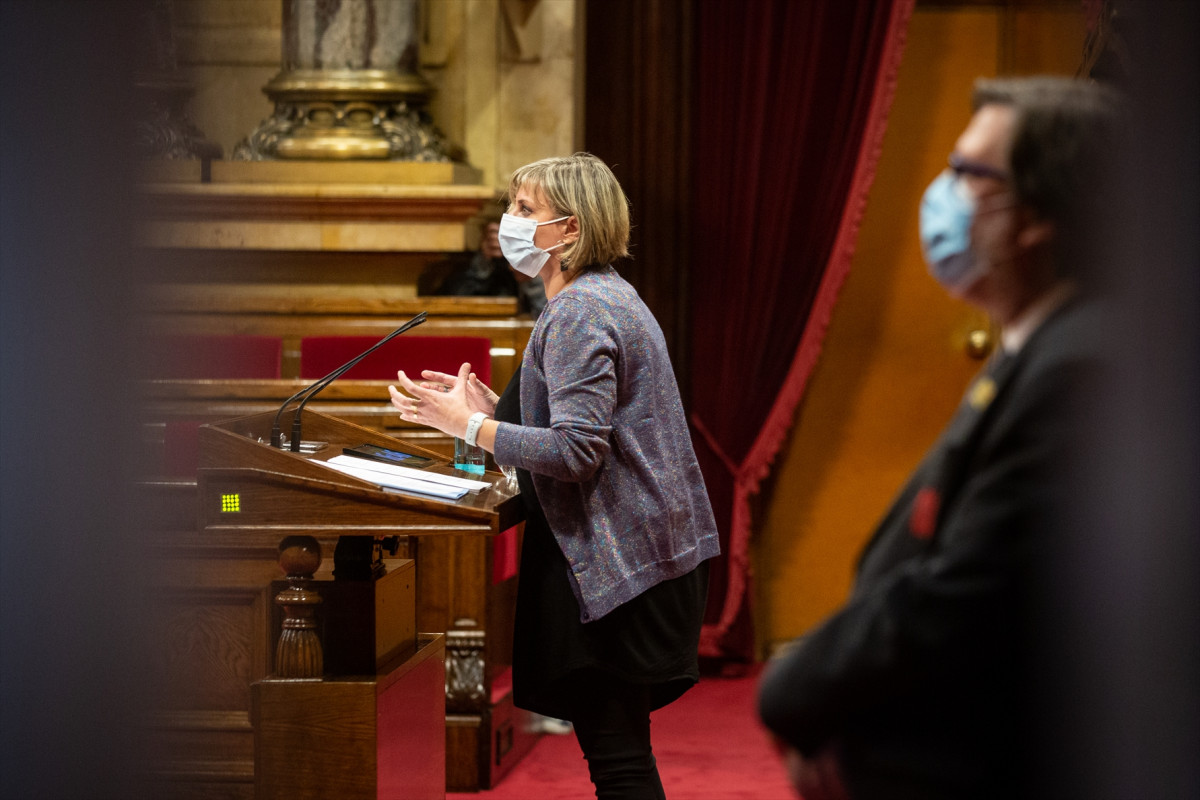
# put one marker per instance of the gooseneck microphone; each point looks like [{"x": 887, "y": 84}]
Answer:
[{"x": 308, "y": 392}]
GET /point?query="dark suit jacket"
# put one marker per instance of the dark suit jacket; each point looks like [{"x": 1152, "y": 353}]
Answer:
[{"x": 924, "y": 680}]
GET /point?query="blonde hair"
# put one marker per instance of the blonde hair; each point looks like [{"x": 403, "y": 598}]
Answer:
[{"x": 581, "y": 186}]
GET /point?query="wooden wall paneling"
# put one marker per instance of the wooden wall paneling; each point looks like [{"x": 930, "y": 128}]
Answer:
[
  {"x": 211, "y": 653},
  {"x": 212, "y": 637},
  {"x": 354, "y": 738},
  {"x": 213, "y": 618},
  {"x": 216, "y": 612}
]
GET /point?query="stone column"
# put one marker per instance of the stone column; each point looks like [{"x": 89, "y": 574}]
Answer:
[
  {"x": 162, "y": 126},
  {"x": 349, "y": 86}
]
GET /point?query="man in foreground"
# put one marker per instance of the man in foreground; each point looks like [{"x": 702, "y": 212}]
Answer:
[{"x": 927, "y": 682}]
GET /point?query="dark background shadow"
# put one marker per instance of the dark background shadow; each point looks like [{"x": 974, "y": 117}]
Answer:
[{"x": 71, "y": 665}]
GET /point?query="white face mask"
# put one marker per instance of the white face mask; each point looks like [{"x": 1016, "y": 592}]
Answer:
[{"x": 516, "y": 242}]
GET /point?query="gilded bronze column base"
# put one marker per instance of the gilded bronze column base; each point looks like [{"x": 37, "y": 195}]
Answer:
[{"x": 345, "y": 115}]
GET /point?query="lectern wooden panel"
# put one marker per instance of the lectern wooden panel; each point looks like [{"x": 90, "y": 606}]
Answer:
[
  {"x": 354, "y": 738},
  {"x": 297, "y": 491},
  {"x": 246, "y": 488}
]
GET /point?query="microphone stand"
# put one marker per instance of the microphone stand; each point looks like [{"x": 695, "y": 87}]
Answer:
[{"x": 308, "y": 392}]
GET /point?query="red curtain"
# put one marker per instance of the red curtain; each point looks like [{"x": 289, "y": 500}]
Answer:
[{"x": 791, "y": 103}]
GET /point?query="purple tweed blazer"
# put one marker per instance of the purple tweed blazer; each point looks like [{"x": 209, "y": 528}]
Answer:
[{"x": 605, "y": 438}]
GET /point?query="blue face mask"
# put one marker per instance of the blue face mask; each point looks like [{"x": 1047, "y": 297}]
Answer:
[{"x": 946, "y": 215}]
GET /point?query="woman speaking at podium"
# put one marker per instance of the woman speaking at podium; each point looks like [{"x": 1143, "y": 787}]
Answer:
[{"x": 619, "y": 527}]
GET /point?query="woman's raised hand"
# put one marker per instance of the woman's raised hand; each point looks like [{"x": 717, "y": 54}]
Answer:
[
  {"x": 441, "y": 404},
  {"x": 479, "y": 397}
]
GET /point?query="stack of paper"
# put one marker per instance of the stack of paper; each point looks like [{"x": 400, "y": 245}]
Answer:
[{"x": 405, "y": 478}]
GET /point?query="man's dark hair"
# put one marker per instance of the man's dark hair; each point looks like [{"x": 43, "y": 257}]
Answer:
[{"x": 1067, "y": 144}]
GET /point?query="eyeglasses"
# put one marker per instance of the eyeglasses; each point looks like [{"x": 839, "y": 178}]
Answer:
[{"x": 961, "y": 166}]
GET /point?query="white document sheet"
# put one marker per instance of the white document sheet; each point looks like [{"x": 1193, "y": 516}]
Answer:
[{"x": 406, "y": 478}]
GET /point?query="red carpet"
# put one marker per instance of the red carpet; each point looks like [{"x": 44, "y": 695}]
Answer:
[{"x": 709, "y": 745}]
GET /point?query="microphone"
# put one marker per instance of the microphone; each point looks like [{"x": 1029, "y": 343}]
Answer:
[{"x": 308, "y": 392}]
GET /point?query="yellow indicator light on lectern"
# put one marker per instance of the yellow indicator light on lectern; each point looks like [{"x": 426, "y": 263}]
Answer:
[{"x": 231, "y": 503}]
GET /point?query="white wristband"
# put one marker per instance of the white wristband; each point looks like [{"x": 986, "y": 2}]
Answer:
[{"x": 473, "y": 426}]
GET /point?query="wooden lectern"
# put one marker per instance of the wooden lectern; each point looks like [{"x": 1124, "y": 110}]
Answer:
[
  {"x": 246, "y": 483},
  {"x": 248, "y": 490}
]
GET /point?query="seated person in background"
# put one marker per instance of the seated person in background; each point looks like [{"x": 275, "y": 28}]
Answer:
[{"x": 485, "y": 273}]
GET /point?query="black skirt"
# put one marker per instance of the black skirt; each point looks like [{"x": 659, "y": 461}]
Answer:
[{"x": 652, "y": 639}]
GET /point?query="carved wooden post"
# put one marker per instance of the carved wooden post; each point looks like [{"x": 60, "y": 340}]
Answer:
[
  {"x": 465, "y": 668},
  {"x": 298, "y": 654}
]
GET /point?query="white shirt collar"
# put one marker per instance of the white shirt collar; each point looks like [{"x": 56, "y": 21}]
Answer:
[{"x": 1014, "y": 335}]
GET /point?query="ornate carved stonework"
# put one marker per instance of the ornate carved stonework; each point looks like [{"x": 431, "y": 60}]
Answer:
[
  {"x": 333, "y": 128},
  {"x": 163, "y": 128},
  {"x": 465, "y": 689}
]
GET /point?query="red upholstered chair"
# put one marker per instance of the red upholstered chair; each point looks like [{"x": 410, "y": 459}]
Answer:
[
  {"x": 179, "y": 357},
  {"x": 216, "y": 357},
  {"x": 320, "y": 355}
]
